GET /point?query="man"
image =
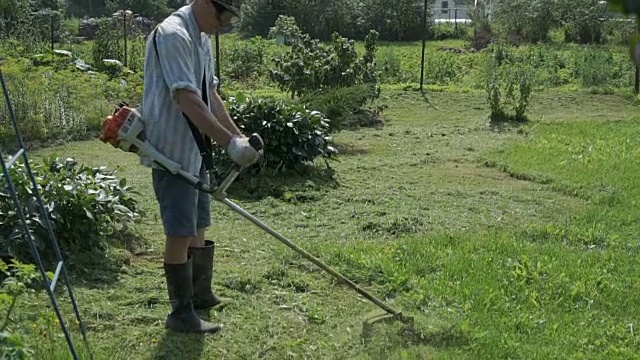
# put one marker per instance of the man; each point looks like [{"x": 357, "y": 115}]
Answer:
[{"x": 178, "y": 74}]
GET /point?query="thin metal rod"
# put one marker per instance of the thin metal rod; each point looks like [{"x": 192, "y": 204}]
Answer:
[
  {"x": 218, "y": 60},
  {"x": 305, "y": 254},
  {"x": 424, "y": 39}
]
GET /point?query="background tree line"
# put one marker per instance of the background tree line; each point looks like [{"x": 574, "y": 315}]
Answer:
[{"x": 519, "y": 21}]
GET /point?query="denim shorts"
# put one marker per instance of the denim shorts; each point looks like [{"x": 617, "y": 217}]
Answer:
[{"x": 183, "y": 208}]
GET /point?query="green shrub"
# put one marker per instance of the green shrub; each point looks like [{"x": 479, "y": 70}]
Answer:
[
  {"x": 293, "y": 135},
  {"x": 106, "y": 45},
  {"x": 448, "y": 31},
  {"x": 345, "y": 107},
  {"x": 286, "y": 28},
  {"x": 87, "y": 207},
  {"x": 54, "y": 106},
  {"x": 310, "y": 66},
  {"x": 15, "y": 280},
  {"x": 245, "y": 59},
  {"x": 508, "y": 85}
]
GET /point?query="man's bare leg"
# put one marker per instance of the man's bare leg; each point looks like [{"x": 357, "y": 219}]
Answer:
[
  {"x": 175, "y": 249},
  {"x": 198, "y": 241}
]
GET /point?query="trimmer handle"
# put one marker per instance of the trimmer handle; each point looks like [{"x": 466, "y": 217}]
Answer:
[{"x": 257, "y": 143}]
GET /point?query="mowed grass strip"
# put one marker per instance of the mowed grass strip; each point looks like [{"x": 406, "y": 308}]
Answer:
[{"x": 502, "y": 243}]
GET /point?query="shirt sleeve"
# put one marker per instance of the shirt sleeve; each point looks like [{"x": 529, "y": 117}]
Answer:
[{"x": 176, "y": 53}]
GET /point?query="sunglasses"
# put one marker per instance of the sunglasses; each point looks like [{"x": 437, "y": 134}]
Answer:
[{"x": 226, "y": 7}]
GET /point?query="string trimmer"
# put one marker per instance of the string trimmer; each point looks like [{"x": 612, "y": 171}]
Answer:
[{"x": 125, "y": 131}]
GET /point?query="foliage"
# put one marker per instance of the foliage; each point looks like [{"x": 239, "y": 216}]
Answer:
[
  {"x": 509, "y": 83},
  {"x": 107, "y": 45},
  {"x": 287, "y": 28},
  {"x": 393, "y": 20},
  {"x": 86, "y": 206},
  {"x": 525, "y": 20},
  {"x": 58, "y": 102},
  {"x": 345, "y": 106},
  {"x": 582, "y": 22},
  {"x": 448, "y": 31},
  {"x": 482, "y": 32},
  {"x": 293, "y": 135},
  {"x": 15, "y": 279},
  {"x": 310, "y": 66},
  {"x": 245, "y": 59}
]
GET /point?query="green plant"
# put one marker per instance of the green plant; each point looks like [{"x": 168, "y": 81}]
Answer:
[
  {"x": 345, "y": 106},
  {"x": 310, "y": 66},
  {"x": 106, "y": 45},
  {"x": 286, "y": 28},
  {"x": 86, "y": 206},
  {"x": 16, "y": 279},
  {"x": 246, "y": 59},
  {"x": 293, "y": 135},
  {"x": 508, "y": 84}
]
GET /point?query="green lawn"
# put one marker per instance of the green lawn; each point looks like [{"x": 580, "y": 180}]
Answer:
[{"x": 502, "y": 243}]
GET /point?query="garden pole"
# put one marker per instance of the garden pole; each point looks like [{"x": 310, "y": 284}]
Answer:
[
  {"x": 218, "y": 59},
  {"x": 52, "y": 32},
  {"x": 637, "y": 84},
  {"x": 424, "y": 39},
  {"x": 124, "y": 25}
]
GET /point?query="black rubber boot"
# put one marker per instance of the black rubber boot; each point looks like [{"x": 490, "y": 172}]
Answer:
[
  {"x": 183, "y": 318},
  {"x": 203, "y": 296}
]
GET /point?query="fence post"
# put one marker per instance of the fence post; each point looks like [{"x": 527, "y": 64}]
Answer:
[
  {"x": 124, "y": 23},
  {"x": 637, "y": 83},
  {"x": 51, "y": 14},
  {"x": 424, "y": 39}
]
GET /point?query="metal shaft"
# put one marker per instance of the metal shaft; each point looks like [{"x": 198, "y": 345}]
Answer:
[{"x": 222, "y": 198}]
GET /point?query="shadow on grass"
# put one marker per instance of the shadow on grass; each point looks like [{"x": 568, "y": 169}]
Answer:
[
  {"x": 175, "y": 345},
  {"x": 281, "y": 185},
  {"x": 179, "y": 346},
  {"x": 88, "y": 268},
  {"x": 101, "y": 267},
  {"x": 507, "y": 124}
]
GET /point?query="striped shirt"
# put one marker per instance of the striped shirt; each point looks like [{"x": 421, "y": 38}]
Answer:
[{"x": 184, "y": 53}]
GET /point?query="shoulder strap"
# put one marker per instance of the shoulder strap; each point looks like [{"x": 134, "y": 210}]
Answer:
[{"x": 203, "y": 141}]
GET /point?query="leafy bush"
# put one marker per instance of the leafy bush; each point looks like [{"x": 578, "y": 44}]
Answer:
[
  {"x": 54, "y": 106},
  {"x": 310, "y": 66},
  {"x": 448, "y": 31},
  {"x": 15, "y": 279},
  {"x": 106, "y": 45},
  {"x": 526, "y": 20},
  {"x": 508, "y": 84},
  {"x": 245, "y": 59},
  {"x": 293, "y": 135},
  {"x": 86, "y": 206},
  {"x": 286, "y": 28},
  {"x": 345, "y": 106}
]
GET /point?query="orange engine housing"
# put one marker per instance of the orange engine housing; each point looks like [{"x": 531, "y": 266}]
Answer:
[{"x": 112, "y": 124}]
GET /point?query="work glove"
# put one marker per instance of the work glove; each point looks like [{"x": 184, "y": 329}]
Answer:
[{"x": 241, "y": 151}]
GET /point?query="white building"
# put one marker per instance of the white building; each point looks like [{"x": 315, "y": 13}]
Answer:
[
  {"x": 457, "y": 10},
  {"x": 450, "y": 11}
]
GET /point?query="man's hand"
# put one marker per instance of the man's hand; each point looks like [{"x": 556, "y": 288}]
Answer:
[{"x": 242, "y": 152}]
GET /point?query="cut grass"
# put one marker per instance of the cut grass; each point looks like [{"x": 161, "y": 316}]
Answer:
[{"x": 503, "y": 243}]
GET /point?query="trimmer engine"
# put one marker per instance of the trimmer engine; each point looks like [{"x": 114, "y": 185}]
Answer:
[{"x": 124, "y": 130}]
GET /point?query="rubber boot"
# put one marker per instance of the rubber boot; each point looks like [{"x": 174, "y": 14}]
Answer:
[
  {"x": 183, "y": 318},
  {"x": 203, "y": 296}
]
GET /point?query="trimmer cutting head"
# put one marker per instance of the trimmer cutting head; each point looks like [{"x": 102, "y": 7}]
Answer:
[{"x": 369, "y": 323}]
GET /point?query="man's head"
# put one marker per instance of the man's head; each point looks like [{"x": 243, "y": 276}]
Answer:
[{"x": 212, "y": 15}]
